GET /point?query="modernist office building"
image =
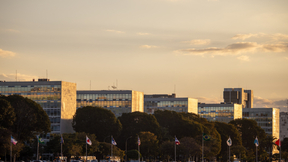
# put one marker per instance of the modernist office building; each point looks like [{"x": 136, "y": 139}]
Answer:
[
  {"x": 220, "y": 112},
  {"x": 57, "y": 98},
  {"x": 238, "y": 95},
  {"x": 283, "y": 125},
  {"x": 169, "y": 102},
  {"x": 267, "y": 119},
  {"x": 118, "y": 101}
]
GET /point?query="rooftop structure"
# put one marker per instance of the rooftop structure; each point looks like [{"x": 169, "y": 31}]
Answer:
[{"x": 239, "y": 96}]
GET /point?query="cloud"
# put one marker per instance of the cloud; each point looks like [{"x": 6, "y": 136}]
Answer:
[
  {"x": 20, "y": 77},
  {"x": 209, "y": 100},
  {"x": 13, "y": 30},
  {"x": 148, "y": 46},
  {"x": 232, "y": 49},
  {"x": 198, "y": 42},
  {"x": 243, "y": 58},
  {"x": 5, "y": 54},
  {"x": 115, "y": 31},
  {"x": 280, "y": 47},
  {"x": 275, "y": 37},
  {"x": 143, "y": 33},
  {"x": 260, "y": 102}
]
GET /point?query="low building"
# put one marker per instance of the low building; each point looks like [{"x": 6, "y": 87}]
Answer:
[
  {"x": 57, "y": 98},
  {"x": 169, "y": 102},
  {"x": 267, "y": 119},
  {"x": 283, "y": 125},
  {"x": 220, "y": 112},
  {"x": 118, "y": 101}
]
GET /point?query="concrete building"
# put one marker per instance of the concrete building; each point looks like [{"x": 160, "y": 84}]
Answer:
[
  {"x": 239, "y": 96},
  {"x": 267, "y": 119},
  {"x": 169, "y": 102},
  {"x": 220, "y": 112},
  {"x": 57, "y": 98},
  {"x": 118, "y": 101},
  {"x": 283, "y": 125}
]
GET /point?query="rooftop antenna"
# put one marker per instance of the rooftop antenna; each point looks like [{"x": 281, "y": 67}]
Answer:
[
  {"x": 46, "y": 73},
  {"x": 115, "y": 87}
]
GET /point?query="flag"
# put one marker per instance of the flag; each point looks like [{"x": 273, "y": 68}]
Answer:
[
  {"x": 229, "y": 141},
  {"x": 13, "y": 140},
  {"x": 256, "y": 142},
  {"x": 113, "y": 142},
  {"x": 139, "y": 142},
  {"x": 278, "y": 143},
  {"x": 88, "y": 141},
  {"x": 206, "y": 137},
  {"x": 176, "y": 141},
  {"x": 40, "y": 140},
  {"x": 61, "y": 140}
]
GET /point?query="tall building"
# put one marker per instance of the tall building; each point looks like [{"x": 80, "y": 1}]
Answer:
[
  {"x": 118, "y": 101},
  {"x": 220, "y": 112},
  {"x": 57, "y": 98},
  {"x": 239, "y": 96},
  {"x": 169, "y": 102},
  {"x": 267, "y": 119},
  {"x": 283, "y": 125}
]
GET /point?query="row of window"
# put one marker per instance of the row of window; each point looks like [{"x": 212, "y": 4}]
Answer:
[
  {"x": 30, "y": 88},
  {"x": 54, "y": 120},
  {"x": 213, "y": 115},
  {"x": 103, "y": 96},
  {"x": 53, "y": 112},
  {"x": 49, "y": 104},
  {"x": 252, "y": 114},
  {"x": 166, "y": 104},
  {"x": 55, "y": 127},
  {"x": 105, "y": 103},
  {"x": 37, "y": 96}
]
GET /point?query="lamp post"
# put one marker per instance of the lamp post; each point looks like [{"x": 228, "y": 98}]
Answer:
[{"x": 126, "y": 148}]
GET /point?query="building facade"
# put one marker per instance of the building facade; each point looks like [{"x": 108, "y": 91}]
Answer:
[
  {"x": 118, "y": 101},
  {"x": 283, "y": 125},
  {"x": 239, "y": 96},
  {"x": 220, "y": 112},
  {"x": 57, "y": 98},
  {"x": 267, "y": 119},
  {"x": 169, "y": 102}
]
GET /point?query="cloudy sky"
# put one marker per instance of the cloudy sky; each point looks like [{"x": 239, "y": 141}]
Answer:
[{"x": 195, "y": 48}]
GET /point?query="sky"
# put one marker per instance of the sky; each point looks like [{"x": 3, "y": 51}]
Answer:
[{"x": 194, "y": 48}]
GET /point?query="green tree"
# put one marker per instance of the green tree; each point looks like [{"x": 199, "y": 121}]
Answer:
[
  {"x": 7, "y": 115},
  {"x": 167, "y": 150},
  {"x": 249, "y": 130},
  {"x": 133, "y": 154},
  {"x": 228, "y": 130},
  {"x": 96, "y": 120},
  {"x": 190, "y": 147},
  {"x": 149, "y": 144},
  {"x": 31, "y": 119},
  {"x": 74, "y": 144},
  {"x": 133, "y": 124}
]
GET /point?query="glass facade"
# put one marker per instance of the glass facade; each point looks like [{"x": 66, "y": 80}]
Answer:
[
  {"x": 178, "y": 106},
  {"x": 117, "y": 101},
  {"x": 220, "y": 112}
]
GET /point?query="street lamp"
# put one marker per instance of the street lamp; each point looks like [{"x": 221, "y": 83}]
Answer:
[{"x": 126, "y": 148}]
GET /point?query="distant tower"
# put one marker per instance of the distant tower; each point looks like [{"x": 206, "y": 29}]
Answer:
[{"x": 239, "y": 96}]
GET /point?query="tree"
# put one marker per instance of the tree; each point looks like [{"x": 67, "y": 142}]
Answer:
[
  {"x": 249, "y": 130},
  {"x": 228, "y": 130},
  {"x": 31, "y": 119},
  {"x": 167, "y": 150},
  {"x": 7, "y": 115},
  {"x": 74, "y": 144},
  {"x": 96, "y": 120},
  {"x": 133, "y": 124},
  {"x": 190, "y": 147},
  {"x": 149, "y": 144}
]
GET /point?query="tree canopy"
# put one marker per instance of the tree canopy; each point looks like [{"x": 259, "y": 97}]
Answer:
[{"x": 96, "y": 120}]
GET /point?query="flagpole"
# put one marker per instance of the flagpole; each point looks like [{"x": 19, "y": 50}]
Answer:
[
  {"x": 202, "y": 147},
  {"x": 111, "y": 149},
  {"x": 11, "y": 150},
  {"x": 280, "y": 151},
  {"x": 86, "y": 151},
  {"x": 256, "y": 155},
  {"x": 138, "y": 153},
  {"x": 175, "y": 148},
  {"x": 38, "y": 148},
  {"x": 229, "y": 153}
]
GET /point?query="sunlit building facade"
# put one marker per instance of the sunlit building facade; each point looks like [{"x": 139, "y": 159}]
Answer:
[
  {"x": 169, "y": 102},
  {"x": 267, "y": 119},
  {"x": 283, "y": 125},
  {"x": 239, "y": 96},
  {"x": 118, "y": 101},
  {"x": 57, "y": 98},
  {"x": 220, "y": 112}
]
